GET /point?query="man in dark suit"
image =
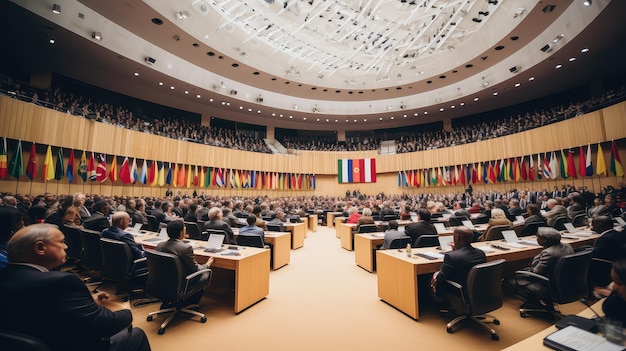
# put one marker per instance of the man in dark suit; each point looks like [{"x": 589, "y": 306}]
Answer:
[
  {"x": 611, "y": 245},
  {"x": 458, "y": 262},
  {"x": 158, "y": 211},
  {"x": 121, "y": 221},
  {"x": 423, "y": 227},
  {"x": 34, "y": 300},
  {"x": 215, "y": 222},
  {"x": 251, "y": 229},
  {"x": 391, "y": 234},
  {"x": 99, "y": 220},
  {"x": 175, "y": 246}
]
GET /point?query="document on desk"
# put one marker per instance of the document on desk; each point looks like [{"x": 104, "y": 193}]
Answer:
[
  {"x": 486, "y": 248},
  {"x": 430, "y": 255},
  {"x": 517, "y": 245},
  {"x": 572, "y": 338}
]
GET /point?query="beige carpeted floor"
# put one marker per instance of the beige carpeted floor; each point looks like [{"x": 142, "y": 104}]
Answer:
[{"x": 323, "y": 301}]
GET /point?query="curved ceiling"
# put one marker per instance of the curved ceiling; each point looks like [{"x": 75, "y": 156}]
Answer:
[{"x": 321, "y": 64}]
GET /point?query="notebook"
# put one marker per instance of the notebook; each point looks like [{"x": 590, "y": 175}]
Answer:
[
  {"x": 215, "y": 243},
  {"x": 444, "y": 242},
  {"x": 572, "y": 230},
  {"x": 441, "y": 228},
  {"x": 469, "y": 224},
  {"x": 511, "y": 238}
]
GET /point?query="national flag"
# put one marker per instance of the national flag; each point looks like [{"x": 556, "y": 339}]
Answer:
[
  {"x": 16, "y": 164},
  {"x": 70, "y": 167},
  {"x": 588, "y": 166},
  {"x": 219, "y": 177},
  {"x": 616, "y": 163},
  {"x": 101, "y": 174},
  {"x": 517, "y": 175},
  {"x": 446, "y": 178},
  {"x": 31, "y": 168},
  {"x": 547, "y": 170},
  {"x": 134, "y": 176},
  {"x": 600, "y": 163},
  {"x": 4, "y": 169},
  {"x": 152, "y": 174},
  {"x": 485, "y": 176},
  {"x": 189, "y": 176},
  {"x": 181, "y": 177},
  {"x": 474, "y": 174},
  {"x": 523, "y": 172},
  {"x": 202, "y": 177},
  {"x": 113, "y": 171},
  {"x": 91, "y": 168},
  {"x": 196, "y": 179},
  {"x": 143, "y": 176},
  {"x": 209, "y": 177},
  {"x": 463, "y": 177},
  {"x": 313, "y": 181},
  {"x": 539, "y": 167},
  {"x": 554, "y": 171},
  {"x": 125, "y": 172},
  {"x": 168, "y": 178},
  {"x": 48, "y": 165},
  {"x": 82, "y": 167},
  {"x": 468, "y": 173},
  {"x": 492, "y": 174},
  {"x": 400, "y": 179},
  {"x": 161, "y": 177},
  {"x": 564, "y": 166},
  {"x": 59, "y": 168},
  {"x": 571, "y": 166},
  {"x": 236, "y": 177},
  {"x": 531, "y": 169},
  {"x": 510, "y": 166},
  {"x": 433, "y": 177},
  {"x": 357, "y": 170},
  {"x": 502, "y": 174},
  {"x": 175, "y": 175}
]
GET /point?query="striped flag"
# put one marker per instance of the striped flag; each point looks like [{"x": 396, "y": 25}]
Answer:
[
  {"x": 357, "y": 170},
  {"x": 113, "y": 171},
  {"x": 616, "y": 162},
  {"x": 531, "y": 169},
  {"x": 588, "y": 166},
  {"x": 564, "y": 166},
  {"x": 70, "y": 167},
  {"x": 161, "y": 177},
  {"x": 4, "y": 166},
  {"x": 133, "y": 172}
]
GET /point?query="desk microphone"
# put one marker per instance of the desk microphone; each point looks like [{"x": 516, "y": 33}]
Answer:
[{"x": 586, "y": 303}]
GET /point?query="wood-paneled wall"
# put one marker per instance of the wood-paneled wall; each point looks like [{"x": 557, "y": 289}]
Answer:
[{"x": 29, "y": 122}]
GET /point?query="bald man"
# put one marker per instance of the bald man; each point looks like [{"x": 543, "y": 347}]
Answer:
[
  {"x": 119, "y": 222},
  {"x": 55, "y": 306},
  {"x": 457, "y": 263}
]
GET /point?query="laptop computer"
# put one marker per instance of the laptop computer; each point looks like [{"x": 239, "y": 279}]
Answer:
[
  {"x": 162, "y": 236},
  {"x": 215, "y": 243},
  {"x": 469, "y": 224},
  {"x": 572, "y": 230},
  {"x": 135, "y": 229},
  {"x": 441, "y": 228},
  {"x": 512, "y": 240},
  {"x": 444, "y": 242},
  {"x": 519, "y": 219}
]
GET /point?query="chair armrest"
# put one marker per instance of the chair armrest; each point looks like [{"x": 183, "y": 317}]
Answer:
[
  {"x": 140, "y": 272},
  {"x": 197, "y": 273},
  {"x": 455, "y": 285},
  {"x": 194, "y": 275},
  {"x": 531, "y": 277}
]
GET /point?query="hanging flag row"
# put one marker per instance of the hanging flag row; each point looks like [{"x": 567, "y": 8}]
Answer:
[
  {"x": 549, "y": 165},
  {"x": 152, "y": 173}
]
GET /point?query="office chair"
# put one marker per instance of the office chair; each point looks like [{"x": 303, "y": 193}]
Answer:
[
  {"x": 92, "y": 251},
  {"x": 167, "y": 283},
  {"x": 400, "y": 242},
  {"x": 599, "y": 272},
  {"x": 481, "y": 294},
  {"x": 518, "y": 228},
  {"x": 388, "y": 218},
  {"x": 558, "y": 223},
  {"x": 74, "y": 244},
  {"x": 481, "y": 219},
  {"x": 368, "y": 228},
  {"x": 494, "y": 233},
  {"x": 427, "y": 241},
  {"x": 217, "y": 231},
  {"x": 580, "y": 220},
  {"x": 455, "y": 221},
  {"x": 251, "y": 241},
  {"x": 36, "y": 214},
  {"x": 531, "y": 228},
  {"x": 567, "y": 284},
  {"x": 153, "y": 223},
  {"x": 275, "y": 228},
  {"x": 195, "y": 231},
  {"x": 11, "y": 340}
]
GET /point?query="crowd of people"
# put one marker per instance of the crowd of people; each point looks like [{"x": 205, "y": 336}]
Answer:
[{"x": 182, "y": 129}]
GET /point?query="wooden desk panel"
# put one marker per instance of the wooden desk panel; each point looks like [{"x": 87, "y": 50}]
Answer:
[
  {"x": 364, "y": 250},
  {"x": 252, "y": 270},
  {"x": 313, "y": 222},
  {"x": 338, "y": 220},
  {"x": 281, "y": 248},
  {"x": 330, "y": 218},
  {"x": 344, "y": 230},
  {"x": 397, "y": 271},
  {"x": 298, "y": 232}
]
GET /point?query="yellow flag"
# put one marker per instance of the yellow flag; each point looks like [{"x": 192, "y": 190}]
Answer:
[
  {"x": 600, "y": 164},
  {"x": 48, "y": 166}
]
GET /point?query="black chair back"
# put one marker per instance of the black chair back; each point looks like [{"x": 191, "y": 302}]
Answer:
[
  {"x": 456, "y": 221},
  {"x": 165, "y": 276},
  {"x": 400, "y": 242},
  {"x": 194, "y": 230},
  {"x": 368, "y": 228},
  {"x": 92, "y": 251},
  {"x": 36, "y": 214},
  {"x": 250, "y": 240},
  {"x": 495, "y": 232},
  {"x": 518, "y": 228},
  {"x": 559, "y": 223},
  {"x": 388, "y": 218},
  {"x": 481, "y": 219},
  {"x": 569, "y": 282},
  {"x": 484, "y": 287},
  {"x": 72, "y": 240},
  {"x": 153, "y": 223},
  {"x": 530, "y": 228},
  {"x": 17, "y": 341},
  {"x": 427, "y": 241},
  {"x": 580, "y": 220},
  {"x": 117, "y": 260},
  {"x": 274, "y": 228}
]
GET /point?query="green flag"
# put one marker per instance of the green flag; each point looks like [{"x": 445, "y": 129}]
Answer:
[
  {"x": 16, "y": 165},
  {"x": 59, "y": 169},
  {"x": 82, "y": 167}
]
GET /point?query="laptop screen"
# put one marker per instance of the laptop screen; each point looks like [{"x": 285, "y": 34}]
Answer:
[
  {"x": 570, "y": 227},
  {"x": 509, "y": 236},
  {"x": 441, "y": 228},
  {"x": 469, "y": 224},
  {"x": 215, "y": 241},
  {"x": 444, "y": 242},
  {"x": 163, "y": 234}
]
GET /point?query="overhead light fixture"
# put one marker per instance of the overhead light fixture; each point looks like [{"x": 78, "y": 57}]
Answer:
[
  {"x": 181, "y": 15},
  {"x": 483, "y": 13},
  {"x": 587, "y": 2},
  {"x": 96, "y": 36},
  {"x": 558, "y": 37},
  {"x": 56, "y": 9},
  {"x": 477, "y": 20},
  {"x": 585, "y": 50},
  {"x": 492, "y": 2}
]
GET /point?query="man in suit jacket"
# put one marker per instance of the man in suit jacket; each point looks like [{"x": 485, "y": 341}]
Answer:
[
  {"x": 251, "y": 229},
  {"x": 391, "y": 234},
  {"x": 99, "y": 221},
  {"x": 215, "y": 222},
  {"x": 34, "y": 300},
  {"x": 423, "y": 227},
  {"x": 278, "y": 220},
  {"x": 121, "y": 221},
  {"x": 611, "y": 245},
  {"x": 176, "y": 232},
  {"x": 458, "y": 262},
  {"x": 554, "y": 211}
]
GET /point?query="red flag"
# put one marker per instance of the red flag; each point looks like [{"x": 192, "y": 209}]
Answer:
[
  {"x": 113, "y": 171},
  {"x": 492, "y": 173},
  {"x": 582, "y": 162},
  {"x": 125, "y": 172},
  {"x": 182, "y": 178},
  {"x": 91, "y": 168},
  {"x": 101, "y": 173},
  {"x": 152, "y": 173},
  {"x": 463, "y": 176},
  {"x": 474, "y": 174},
  {"x": 196, "y": 180},
  {"x": 523, "y": 169},
  {"x": 496, "y": 170},
  {"x": 31, "y": 169},
  {"x": 571, "y": 167}
]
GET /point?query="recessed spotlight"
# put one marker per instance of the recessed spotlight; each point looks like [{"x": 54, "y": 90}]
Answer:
[
  {"x": 391, "y": 117},
  {"x": 380, "y": 118},
  {"x": 172, "y": 87},
  {"x": 304, "y": 118},
  {"x": 495, "y": 93},
  {"x": 51, "y": 41},
  {"x": 56, "y": 9},
  {"x": 452, "y": 106},
  {"x": 319, "y": 120},
  {"x": 475, "y": 99},
  {"x": 517, "y": 85},
  {"x": 198, "y": 96},
  {"x": 531, "y": 79},
  {"x": 258, "y": 111},
  {"x": 273, "y": 115},
  {"x": 186, "y": 92},
  {"x": 249, "y": 110},
  {"x": 441, "y": 109},
  {"x": 96, "y": 36},
  {"x": 572, "y": 59},
  {"x": 415, "y": 114},
  {"x": 425, "y": 112},
  {"x": 558, "y": 66},
  {"x": 587, "y": 2},
  {"x": 136, "y": 74},
  {"x": 584, "y": 50},
  {"x": 160, "y": 83},
  {"x": 241, "y": 107},
  {"x": 364, "y": 119},
  {"x": 211, "y": 100},
  {"x": 290, "y": 116}
]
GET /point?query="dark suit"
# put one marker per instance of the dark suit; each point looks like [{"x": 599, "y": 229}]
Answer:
[
  {"x": 159, "y": 214},
  {"x": 415, "y": 230},
  {"x": 457, "y": 264},
  {"x": 57, "y": 308},
  {"x": 116, "y": 233},
  {"x": 219, "y": 225},
  {"x": 611, "y": 245},
  {"x": 97, "y": 222},
  {"x": 252, "y": 230},
  {"x": 390, "y": 235},
  {"x": 188, "y": 261},
  {"x": 278, "y": 223}
]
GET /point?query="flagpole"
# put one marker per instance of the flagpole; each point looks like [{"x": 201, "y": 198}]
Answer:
[
  {"x": 58, "y": 187},
  {"x": 17, "y": 183}
]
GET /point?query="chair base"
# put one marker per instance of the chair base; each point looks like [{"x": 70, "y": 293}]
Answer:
[
  {"x": 451, "y": 327},
  {"x": 553, "y": 312},
  {"x": 175, "y": 311}
]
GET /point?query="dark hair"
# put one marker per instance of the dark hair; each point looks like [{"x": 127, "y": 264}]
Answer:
[
  {"x": 424, "y": 214},
  {"x": 620, "y": 269},
  {"x": 251, "y": 219},
  {"x": 174, "y": 228},
  {"x": 10, "y": 218},
  {"x": 533, "y": 209},
  {"x": 393, "y": 224}
]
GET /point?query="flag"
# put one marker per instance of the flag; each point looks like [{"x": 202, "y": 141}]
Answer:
[
  {"x": 564, "y": 166},
  {"x": 463, "y": 177},
  {"x": 202, "y": 177},
  {"x": 433, "y": 177},
  {"x": 553, "y": 166},
  {"x": 31, "y": 168},
  {"x": 143, "y": 176},
  {"x": 531, "y": 169},
  {"x": 48, "y": 165},
  {"x": 209, "y": 179},
  {"x": 219, "y": 180},
  {"x": 91, "y": 168},
  {"x": 70, "y": 167},
  {"x": 189, "y": 176},
  {"x": 113, "y": 171},
  {"x": 474, "y": 174},
  {"x": 539, "y": 168},
  {"x": 182, "y": 177},
  {"x": 161, "y": 177},
  {"x": 3, "y": 160},
  {"x": 456, "y": 179},
  {"x": 523, "y": 172},
  {"x": 16, "y": 164},
  {"x": 517, "y": 175},
  {"x": 154, "y": 173},
  {"x": 600, "y": 164},
  {"x": 547, "y": 170},
  {"x": 510, "y": 166},
  {"x": 313, "y": 182},
  {"x": 357, "y": 170},
  {"x": 174, "y": 174},
  {"x": 133, "y": 172},
  {"x": 125, "y": 172},
  {"x": 101, "y": 173},
  {"x": 502, "y": 174},
  {"x": 485, "y": 176},
  {"x": 82, "y": 167},
  {"x": 616, "y": 162},
  {"x": 571, "y": 167},
  {"x": 59, "y": 169},
  {"x": 168, "y": 178},
  {"x": 400, "y": 179},
  {"x": 492, "y": 173},
  {"x": 588, "y": 166}
]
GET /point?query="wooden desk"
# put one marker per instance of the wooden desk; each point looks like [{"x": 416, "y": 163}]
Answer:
[
  {"x": 338, "y": 220},
  {"x": 281, "y": 247},
  {"x": 330, "y": 218},
  {"x": 252, "y": 270},
  {"x": 298, "y": 232},
  {"x": 397, "y": 273},
  {"x": 364, "y": 249},
  {"x": 344, "y": 231},
  {"x": 313, "y": 222}
]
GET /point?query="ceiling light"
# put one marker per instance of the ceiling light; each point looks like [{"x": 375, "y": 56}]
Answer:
[
  {"x": 558, "y": 37},
  {"x": 96, "y": 35},
  {"x": 495, "y": 93},
  {"x": 462, "y": 104},
  {"x": 172, "y": 87},
  {"x": 181, "y": 15},
  {"x": 56, "y": 9},
  {"x": 531, "y": 79},
  {"x": 587, "y": 2},
  {"x": 186, "y": 92},
  {"x": 51, "y": 41},
  {"x": 475, "y": 99},
  {"x": 198, "y": 96},
  {"x": 425, "y": 112},
  {"x": 518, "y": 12},
  {"x": 558, "y": 66},
  {"x": 160, "y": 83},
  {"x": 572, "y": 59},
  {"x": 517, "y": 85},
  {"x": 585, "y": 50},
  {"x": 241, "y": 107},
  {"x": 441, "y": 109},
  {"x": 136, "y": 74}
]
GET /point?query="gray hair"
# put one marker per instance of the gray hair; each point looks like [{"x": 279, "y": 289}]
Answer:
[
  {"x": 214, "y": 212},
  {"x": 20, "y": 246},
  {"x": 551, "y": 235},
  {"x": 367, "y": 211}
]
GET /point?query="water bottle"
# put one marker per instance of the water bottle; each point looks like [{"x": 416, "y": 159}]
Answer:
[{"x": 408, "y": 250}]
